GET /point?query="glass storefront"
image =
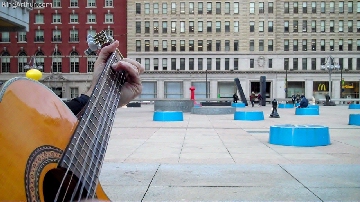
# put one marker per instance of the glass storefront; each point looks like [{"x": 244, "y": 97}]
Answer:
[
  {"x": 350, "y": 89},
  {"x": 320, "y": 89},
  {"x": 295, "y": 87}
]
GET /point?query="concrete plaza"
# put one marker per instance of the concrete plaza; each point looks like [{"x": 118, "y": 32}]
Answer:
[{"x": 217, "y": 158}]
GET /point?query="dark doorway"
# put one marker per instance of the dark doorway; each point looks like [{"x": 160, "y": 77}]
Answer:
[
  {"x": 57, "y": 91},
  {"x": 255, "y": 87}
]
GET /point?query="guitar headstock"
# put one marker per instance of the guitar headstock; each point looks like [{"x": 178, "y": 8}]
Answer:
[{"x": 98, "y": 41}]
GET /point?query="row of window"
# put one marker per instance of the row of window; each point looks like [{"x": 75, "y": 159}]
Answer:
[
  {"x": 56, "y": 35},
  {"x": 226, "y": 26},
  {"x": 296, "y": 43},
  {"x": 75, "y": 3},
  {"x": 202, "y": 63},
  {"x": 74, "y": 18},
  {"x": 227, "y": 7}
]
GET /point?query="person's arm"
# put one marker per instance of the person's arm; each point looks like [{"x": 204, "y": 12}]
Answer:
[{"x": 77, "y": 104}]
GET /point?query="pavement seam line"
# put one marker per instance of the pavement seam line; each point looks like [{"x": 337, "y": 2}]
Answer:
[
  {"x": 300, "y": 183},
  {"x": 147, "y": 189}
]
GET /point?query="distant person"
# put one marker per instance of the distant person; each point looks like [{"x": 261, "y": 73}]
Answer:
[
  {"x": 298, "y": 98},
  {"x": 293, "y": 98},
  {"x": 259, "y": 97},
  {"x": 304, "y": 103},
  {"x": 235, "y": 98},
  {"x": 252, "y": 99}
]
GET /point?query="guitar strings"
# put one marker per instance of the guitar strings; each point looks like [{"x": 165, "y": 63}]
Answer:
[{"x": 77, "y": 143}]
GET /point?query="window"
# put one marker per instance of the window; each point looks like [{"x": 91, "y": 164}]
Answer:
[
  {"x": 74, "y": 35},
  {"x": 5, "y": 62},
  {"x": 74, "y": 62},
  {"x": 200, "y": 26},
  {"x": 341, "y": 26},
  {"x": 261, "y": 26},
  {"x": 218, "y": 26},
  {"x": 56, "y": 18},
  {"x": 56, "y": 3},
  {"x": 39, "y": 36},
  {"x": 286, "y": 7},
  {"x": 90, "y": 63},
  {"x": 252, "y": 7},
  {"x": 182, "y": 26},
  {"x": 313, "y": 26},
  {"x": 217, "y": 63},
  {"x": 74, "y": 18},
  {"x": 200, "y": 8},
  {"x": 286, "y": 63},
  {"x": 74, "y": 3},
  {"x": 296, "y": 7},
  {"x": 218, "y": 7},
  {"x": 164, "y": 63},
  {"x": 155, "y": 8},
  {"x": 350, "y": 26},
  {"x": 236, "y": 45},
  {"x": 5, "y": 37},
  {"x": 191, "y": 45},
  {"x": 147, "y": 27},
  {"x": 109, "y": 18},
  {"x": 147, "y": 8},
  {"x": 295, "y": 45},
  {"x": 218, "y": 45},
  {"x": 295, "y": 64},
  {"x": 156, "y": 63},
  {"x": 164, "y": 45},
  {"x": 332, "y": 7},
  {"x": 236, "y": 7},
  {"x": 313, "y": 44},
  {"x": 109, "y": 3},
  {"x": 350, "y": 63},
  {"x": 358, "y": 7},
  {"x": 270, "y": 45},
  {"x": 57, "y": 62},
  {"x": 261, "y": 7},
  {"x": 286, "y": 26},
  {"x": 209, "y": 29},
  {"x": 156, "y": 45},
  {"x": 341, "y": 44},
  {"x": 21, "y": 37},
  {"x": 305, "y": 7},
  {"x": 191, "y": 26},
  {"x": 173, "y": 90},
  {"x": 227, "y": 26},
  {"x": 313, "y": 7},
  {"x": 200, "y": 64},
  {"x": 191, "y": 63},
  {"x": 251, "y": 44},
  {"x": 358, "y": 26},
  {"x": 322, "y": 44},
  {"x": 322, "y": 7},
  {"x": 91, "y": 18},
  {"x": 236, "y": 26},
  {"x": 182, "y": 45},
  {"x": 252, "y": 26},
  {"x": 332, "y": 26},
  {"x": 138, "y": 8},
  {"x": 138, "y": 46},
  {"x": 209, "y": 63},
  {"x": 56, "y": 36},
  {"x": 209, "y": 45},
  {"x": 173, "y": 27},
  {"x": 147, "y": 45},
  {"x": 270, "y": 7},
  {"x": 138, "y": 27},
  {"x": 304, "y": 64},
  {"x": 313, "y": 63},
  {"x": 91, "y": 3},
  {"x": 156, "y": 27},
  {"x": 227, "y": 63},
  {"x": 164, "y": 27},
  {"x": 304, "y": 26},
  {"x": 358, "y": 45},
  {"x": 227, "y": 45},
  {"x": 74, "y": 92},
  {"x": 350, "y": 7},
  {"x": 236, "y": 63},
  {"x": 173, "y": 8},
  {"x": 182, "y": 63},
  {"x": 200, "y": 45},
  {"x": 295, "y": 25},
  {"x": 341, "y": 7},
  {"x": 173, "y": 45},
  {"x": 227, "y": 7},
  {"x": 147, "y": 64},
  {"x": 357, "y": 63},
  {"x": 270, "y": 26},
  {"x": 251, "y": 63},
  {"x": 209, "y": 8},
  {"x": 304, "y": 44},
  {"x": 261, "y": 45},
  {"x": 191, "y": 7},
  {"x": 164, "y": 8},
  {"x": 286, "y": 45},
  {"x": 270, "y": 63},
  {"x": 39, "y": 18},
  {"x": 322, "y": 26}
]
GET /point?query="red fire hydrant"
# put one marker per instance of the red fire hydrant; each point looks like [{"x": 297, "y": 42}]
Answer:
[{"x": 192, "y": 93}]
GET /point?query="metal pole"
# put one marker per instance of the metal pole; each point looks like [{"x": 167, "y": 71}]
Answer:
[
  {"x": 330, "y": 83},
  {"x": 341, "y": 81},
  {"x": 206, "y": 84},
  {"x": 286, "y": 83}
]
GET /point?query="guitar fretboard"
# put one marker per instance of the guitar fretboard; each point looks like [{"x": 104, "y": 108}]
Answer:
[{"x": 86, "y": 151}]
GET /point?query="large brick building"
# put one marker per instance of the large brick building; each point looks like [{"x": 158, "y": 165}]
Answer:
[{"x": 57, "y": 37}]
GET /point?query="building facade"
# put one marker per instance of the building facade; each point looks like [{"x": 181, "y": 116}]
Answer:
[
  {"x": 14, "y": 16},
  {"x": 57, "y": 37},
  {"x": 206, "y": 44}
]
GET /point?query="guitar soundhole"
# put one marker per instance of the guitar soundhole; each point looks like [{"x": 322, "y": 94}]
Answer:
[{"x": 52, "y": 182}]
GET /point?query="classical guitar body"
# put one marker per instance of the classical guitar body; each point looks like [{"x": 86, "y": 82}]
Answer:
[{"x": 35, "y": 129}]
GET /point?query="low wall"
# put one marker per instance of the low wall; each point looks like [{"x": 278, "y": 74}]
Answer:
[{"x": 173, "y": 105}]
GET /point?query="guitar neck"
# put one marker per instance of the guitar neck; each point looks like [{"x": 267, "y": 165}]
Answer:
[{"x": 85, "y": 153}]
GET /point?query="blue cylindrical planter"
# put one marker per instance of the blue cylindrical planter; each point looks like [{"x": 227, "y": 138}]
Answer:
[
  {"x": 314, "y": 106},
  {"x": 285, "y": 105},
  {"x": 306, "y": 111},
  {"x": 168, "y": 116},
  {"x": 249, "y": 116},
  {"x": 354, "y": 106},
  {"x": 354, "y": 119},
  {"x": 299, "y": 135},
  {"x": 238, "y": 105}
]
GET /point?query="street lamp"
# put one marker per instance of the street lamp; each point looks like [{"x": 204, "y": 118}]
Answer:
[
  {"x": 33, "y": 64},
  {"x": 206, "y": 84},
  {"x": 330, "y": 65}
]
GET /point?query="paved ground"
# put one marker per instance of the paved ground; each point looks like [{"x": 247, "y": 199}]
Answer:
[{"x": 217, "y": 158}]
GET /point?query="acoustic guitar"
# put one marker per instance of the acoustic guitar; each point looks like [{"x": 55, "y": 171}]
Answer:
[{"x": 46, "y": 152}]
